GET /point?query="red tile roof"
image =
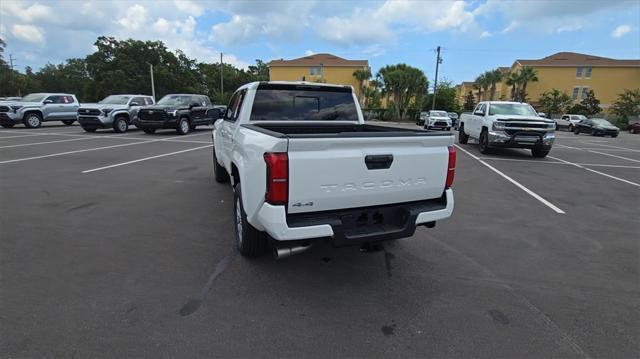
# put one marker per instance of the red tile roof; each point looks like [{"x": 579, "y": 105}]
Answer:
[
  {"x": 319, "y": 59},
  {"x": 573, "y": 59}
]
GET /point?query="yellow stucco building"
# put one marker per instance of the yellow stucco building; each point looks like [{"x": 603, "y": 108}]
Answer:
[
  {"x": 572, "y": 73},
  {"x": 318, "y": 68}
]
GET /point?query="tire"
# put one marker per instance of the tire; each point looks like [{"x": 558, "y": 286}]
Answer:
[
  {"x": 8, "y": 125},
  {"x": 448, "y": 128},
  {"x": 68, "y": 122},
  {"x": 576, "y": 131},
  {"x": 183, "y": 126},
  {"x": 220, "y": 173},
  {"x": 539, "y": 153},
  {"x": 571, "y": 128},
  {"x": 250, "y": 241},
  {"x": 192, "y": 127},
  {"x": 484, "y": 142},
  {"x": 89, "y": 129},
  {"x": 149, "y": 131},
  {"x": 463, "y": 138},
  {"x": 614, "y": 136},
  {"x": 120, "y": 124},
  {"x": 593, "y": 132},
  {"x": 33, "y": 120}
]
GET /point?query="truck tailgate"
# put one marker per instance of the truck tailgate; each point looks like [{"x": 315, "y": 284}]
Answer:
[{"x": 338, "y": 173}]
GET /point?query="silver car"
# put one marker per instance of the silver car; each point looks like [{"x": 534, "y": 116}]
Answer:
[
  {"x": 115, "y": 111},
  {"x": 35, "y": 108},
  {"x": 569, "y": 121}
]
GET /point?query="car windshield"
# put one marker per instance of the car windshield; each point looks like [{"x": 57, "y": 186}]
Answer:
[
  {"x": 601, "y": 122},
  {"x": 512, "y": 109},
  {"x": 115, "y": 100},
  {"x": 33, "y": 97},
  {"x": 581, "y": 117},
  {"x": 438, "y": 114},
  {"x": 273, "y": 103},
  {"x": 453, "y": 115},
  {"x": 175, "y": 100}
]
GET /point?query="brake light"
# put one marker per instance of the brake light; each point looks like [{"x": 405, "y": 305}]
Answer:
[
  {"x": 277, "y": 178},
  {"x": 451, "y": 167}
]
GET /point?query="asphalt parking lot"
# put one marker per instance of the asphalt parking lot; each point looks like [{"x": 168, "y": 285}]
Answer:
[{"x": 121, "y": 245}]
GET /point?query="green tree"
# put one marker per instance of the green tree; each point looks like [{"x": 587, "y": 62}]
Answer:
[
  {"x": 362, "y": 75},
  {"x": 446, "y": 98},
  {"x": 481, "y": 85},
  {"x": 591, "y": 104},
  {"x": 259, "y": 71},
  {"x": 554, "y": 102},
  {"x": 527, "y": 74},
  {"x": 405, "y": 84},
  {"x": 627, "y": 104},
  {"x": 513, "y": 80},
  {"x": 469, "y": 102},
  {"x": 493, "y": 77}
]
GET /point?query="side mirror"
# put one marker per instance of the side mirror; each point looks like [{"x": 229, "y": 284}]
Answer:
[
  {"x": 479, "y": 113},
  {"x": 47, "y": 101},
  {"x": 134, "y": 103},
  {"x": 194, "y": 104}
]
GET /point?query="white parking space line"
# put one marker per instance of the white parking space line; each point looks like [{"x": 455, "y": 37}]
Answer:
[
  {"x": 516, "y": 183},
  {"x": 144, "y": 159},
  {"x": 600, "y": 153},
  {"x": 617, "y": 147},
  {"x": 29, "y": 135},
  {"x": 115, "y": 137},
  {"x": 87, "y": 150},
  {"x": 45, "y": 143},
  {"x": 598, "y": 172},
  {"x": 556, "y": 162}
]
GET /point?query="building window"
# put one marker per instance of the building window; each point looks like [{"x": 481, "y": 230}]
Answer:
[
  {"x": 311, "y": 70},
  {"x": 579, "y": 73},
  {"x": 319, "y": 70},
  {"x": 575, "y": 92},
  {"x": 585, "y": 92},
  {"x": 588, "y": 73}
]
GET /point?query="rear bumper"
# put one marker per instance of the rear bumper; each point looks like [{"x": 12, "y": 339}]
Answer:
[
  {"x": 355, "y": 226},
  {"x": 504, "y": 140}
]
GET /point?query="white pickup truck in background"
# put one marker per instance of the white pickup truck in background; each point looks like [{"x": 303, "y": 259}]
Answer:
[
  {"x": 507, "y": 125},
  {"x": 304, "y": 167}
]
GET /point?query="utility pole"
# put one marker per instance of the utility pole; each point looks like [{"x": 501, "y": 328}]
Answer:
[
  {"x": 11, "y": 61},
  {"x": 153, "y": 88},
  {"x": 221, "y": 80},
  {"x": 435, "y": 83},
  {"x": 12, "y": 77}
]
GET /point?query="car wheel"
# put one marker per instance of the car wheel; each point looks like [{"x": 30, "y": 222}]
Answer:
[
  {"x": 183, "y": 126},
  {"x": 250, "y": 241},
  {"x": 539, "y": 152},
  {"x": 68, "y": 122},
  {"x": 593, "y": 132},
  {"x": 463, "y": 138},
  {"x": 7, "y": 125},
  {"x": 192, "y": 127},
  {"x": 614, "y": 135},
  {"x": 220, "y": 173},
  {"x": 570, "y": 128},
  {"x": 448, "y": 128},
  {"x": 120, "y": 125},
  {"x": 484, "y": 142},
  {"x": 576, "y": 131},
  {"x": 33, "y": 120},
  {"x": 149, "y": 130},
  {"x": 89, "y": 129}
]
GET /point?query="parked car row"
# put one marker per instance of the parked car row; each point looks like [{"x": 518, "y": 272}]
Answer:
[{"x": 182, "y": 112}]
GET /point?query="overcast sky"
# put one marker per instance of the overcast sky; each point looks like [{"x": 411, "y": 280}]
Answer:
[{"x": 475, "y": 35}]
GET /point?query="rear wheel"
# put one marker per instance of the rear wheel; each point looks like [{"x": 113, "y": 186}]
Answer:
[
  {"x": 576, "y": 131},
  {"x": 7, "y": 125},
  {"x": 220, "y": 173},
  {"x": 33, "y": 120},
  {"x": 539, "y": 152},
  {"x": 89, "y": 129},
  {"x": 571, "y": 128},
  {"x": 463, "y": 138},
  {"x": 68, "y": 122},
  {"x": 120, "y": 124},
  {"x": 484, "y": 142},
  {"x": 149, "y": 130},
  {"x": 183, "y": 126},
  {"x": 250, "y": 241}
]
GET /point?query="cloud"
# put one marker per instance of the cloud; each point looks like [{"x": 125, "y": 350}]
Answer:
[
  {"x": 569, "y": 28},
  {"x": 28, "y": 33},
  {"x": 485, "y": 34},
  {"x": 31, "y": 13},
  {"x": 136, "y": 15},
  {"x": 620, "y": 31},
  {"x": 308, "y": 53}
]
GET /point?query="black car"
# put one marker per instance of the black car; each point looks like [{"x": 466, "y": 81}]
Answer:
[
  {"x": 596, "y": 127},
  {"x": 181, "y": 112}
]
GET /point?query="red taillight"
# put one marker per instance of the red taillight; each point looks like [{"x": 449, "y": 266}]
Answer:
[
  {"x": 277, "y": 177},
  {"x": 451, "y": 167}
]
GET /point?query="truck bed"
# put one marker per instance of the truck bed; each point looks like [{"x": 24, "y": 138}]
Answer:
[{"x": 336, "y": 130}]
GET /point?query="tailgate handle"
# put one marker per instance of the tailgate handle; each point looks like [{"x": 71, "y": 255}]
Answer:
[{"x": 378, "y": 162}]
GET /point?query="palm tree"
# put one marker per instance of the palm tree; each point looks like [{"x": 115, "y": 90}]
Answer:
[
  {"x": 527, "y": 74},
  {"x": 493, "y": 77},
  {"x": 513, "y": 80},
  {"x": 362, "y": 75},
  {"x": 480, "y": 85}
]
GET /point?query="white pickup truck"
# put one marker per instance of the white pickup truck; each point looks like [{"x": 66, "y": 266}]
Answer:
[
  {"x": 507, "y": 125},
  {"x": 304, "y": 166}
]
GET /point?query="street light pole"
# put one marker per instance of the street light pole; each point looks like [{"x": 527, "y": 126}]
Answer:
[
  {"x": 153, "y": 88},
  {"x": 435, "y": 83},
  {"x": 221, "y": 80}
]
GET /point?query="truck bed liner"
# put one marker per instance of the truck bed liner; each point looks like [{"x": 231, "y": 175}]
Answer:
[{"x": 297, "y": 130}]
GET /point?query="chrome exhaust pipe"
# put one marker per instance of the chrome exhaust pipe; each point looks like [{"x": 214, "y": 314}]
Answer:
[{"x": 284, "y": 252}]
